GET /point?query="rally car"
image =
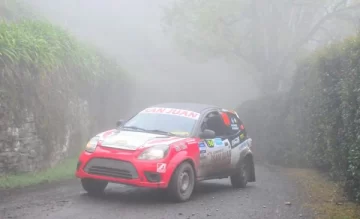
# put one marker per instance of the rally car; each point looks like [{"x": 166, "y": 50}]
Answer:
[{"x": 169, "y": 146}]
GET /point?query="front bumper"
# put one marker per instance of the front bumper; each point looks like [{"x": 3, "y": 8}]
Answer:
[{"x": 123, "y": 169}]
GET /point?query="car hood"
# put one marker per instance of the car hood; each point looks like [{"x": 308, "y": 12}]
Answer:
[{"x": 131, "y": 140}]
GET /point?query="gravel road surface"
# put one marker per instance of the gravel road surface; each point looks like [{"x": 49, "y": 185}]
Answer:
[{"x": 212, "y": 199}]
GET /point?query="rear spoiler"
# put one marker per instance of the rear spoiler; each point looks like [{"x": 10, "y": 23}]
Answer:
[{"x": 233, "y": 111}]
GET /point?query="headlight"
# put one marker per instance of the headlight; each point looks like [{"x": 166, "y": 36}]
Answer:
[
  {"x": 91, "y": 145},
  {"x": 154, "y": 153}
]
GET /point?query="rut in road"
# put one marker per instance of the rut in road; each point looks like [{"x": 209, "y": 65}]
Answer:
[{"x": 212, "y": 199}]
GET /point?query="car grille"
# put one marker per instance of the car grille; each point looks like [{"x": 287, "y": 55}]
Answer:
[{"x": 112, "y": 168}]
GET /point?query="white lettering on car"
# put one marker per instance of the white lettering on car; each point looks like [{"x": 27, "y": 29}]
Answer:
[
  {"x": 180, "y": 147},
  {"x": 220, "y": 155},
  {"x": 172, "y": 111},
  {"x": 235, "y": 141}
]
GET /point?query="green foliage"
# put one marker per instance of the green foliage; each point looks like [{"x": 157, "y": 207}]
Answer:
[
  {"x": 62, "y": 171},
  {"x": 320, "y": 116},
  {"x": 45, "y": 48},
  {"x": 48, "y": 72},
  {"x": 333, "y": 108}
]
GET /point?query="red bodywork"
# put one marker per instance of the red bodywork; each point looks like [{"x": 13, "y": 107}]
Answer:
[{"x": 181, "y": 150}]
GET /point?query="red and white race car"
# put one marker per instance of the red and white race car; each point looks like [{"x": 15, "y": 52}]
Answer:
[{"x": 169, "y": 146}]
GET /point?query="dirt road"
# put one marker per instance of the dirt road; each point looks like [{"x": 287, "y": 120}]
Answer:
[{"x": 212, "y": 199}]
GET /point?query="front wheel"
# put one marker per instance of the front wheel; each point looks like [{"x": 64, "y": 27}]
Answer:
[
  {"x": 93, "y": 186},
  {"x": 182, "y": 183}
]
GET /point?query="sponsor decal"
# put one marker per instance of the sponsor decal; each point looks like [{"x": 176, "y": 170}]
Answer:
[
  {"x": 218, "y": 141},
  {"x": 202, "y": 144},
  {"x": 161, "y": 167},
  {"x": 191, "y": 141},
  {"x": 234, "y": 127},
  {"x": 180, "y": 147},
  {"x": 242, "y": 127},
  {"x": 210, "y": 143},
  {"x": 235, "y": 141},
  {"x": 220, "y": 155},
  {"x": 242, "y": 136},
  {"x": 172, "y": 111},
  {"x": 106, "y": 134}
]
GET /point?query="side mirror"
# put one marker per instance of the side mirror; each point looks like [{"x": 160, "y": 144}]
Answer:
[
  {"x": 119, "y": 122},
  {"x": 207, "y": 133}
]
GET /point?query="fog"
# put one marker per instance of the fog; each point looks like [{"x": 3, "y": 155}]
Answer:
[{"x": 131, "y": 31}]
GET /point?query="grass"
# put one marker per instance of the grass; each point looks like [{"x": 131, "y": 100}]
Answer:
[
  {"x": 325, "y": 197},
  {"x": 64, "y": 170}
]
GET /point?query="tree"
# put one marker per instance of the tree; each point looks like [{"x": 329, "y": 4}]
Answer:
[{"x": 263, "y": 35}]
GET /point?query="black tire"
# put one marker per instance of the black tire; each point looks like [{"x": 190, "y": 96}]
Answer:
[
  {"x": 175, "y": 190},
  {"x": 93, "y": 186},
  {"x": 240, "y": 178}
]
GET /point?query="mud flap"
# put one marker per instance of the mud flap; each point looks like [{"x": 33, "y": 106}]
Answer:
[{"x": 252, "y": 177}]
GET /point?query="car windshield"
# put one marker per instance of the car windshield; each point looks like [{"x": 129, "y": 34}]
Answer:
[{"x": 166, "y": 120}]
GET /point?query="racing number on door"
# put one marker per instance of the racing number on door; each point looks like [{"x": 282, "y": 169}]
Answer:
[{"x": 210, "y": 143}]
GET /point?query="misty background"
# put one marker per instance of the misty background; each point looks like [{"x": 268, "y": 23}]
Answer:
[{"x": 132, "y": 31}]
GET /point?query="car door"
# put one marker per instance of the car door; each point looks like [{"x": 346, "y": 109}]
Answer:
[{"x": 215, "y": 153}]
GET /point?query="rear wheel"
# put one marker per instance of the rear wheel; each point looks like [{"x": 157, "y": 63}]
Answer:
[
  {"x": 182, "y": 183},
  {"x": 240, "y": 179},
  {"x": 93, "y": 186}
]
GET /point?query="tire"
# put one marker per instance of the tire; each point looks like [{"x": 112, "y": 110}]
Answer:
[
  {"x": 182, "y": 183},
  {"x": 240, "y": 179},
  {"x": 93, "y": 186}
]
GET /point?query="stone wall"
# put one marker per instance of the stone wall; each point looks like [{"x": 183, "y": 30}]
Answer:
[{"x": 22, "y": 145}]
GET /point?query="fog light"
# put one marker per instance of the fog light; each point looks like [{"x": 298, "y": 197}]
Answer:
[{"x": 153, "y": 177}]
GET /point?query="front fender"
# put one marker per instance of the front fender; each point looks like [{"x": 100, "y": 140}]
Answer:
[{"x": 178, "y": 158}]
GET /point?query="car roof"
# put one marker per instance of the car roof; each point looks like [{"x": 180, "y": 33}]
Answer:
[{"x": 195, "y": 107}]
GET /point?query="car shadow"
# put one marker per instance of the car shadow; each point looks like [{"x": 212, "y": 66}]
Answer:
[{"x": 132, "y": 195}]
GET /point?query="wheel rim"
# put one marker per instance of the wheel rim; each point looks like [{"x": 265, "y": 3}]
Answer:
[{"x": 184, "y": 182}]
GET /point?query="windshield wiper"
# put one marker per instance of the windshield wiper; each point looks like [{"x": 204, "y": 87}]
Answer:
[
  {"x": 149, "y": 130},
  {"x": 161, "y": 132},
  {"x": 134, "y": 128}
]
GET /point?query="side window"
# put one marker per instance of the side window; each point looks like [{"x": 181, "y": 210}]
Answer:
[
  {"x": 234, "y": 123},
  {"x": 215, "y": 122},
  {"x": 237, "y": 126}
]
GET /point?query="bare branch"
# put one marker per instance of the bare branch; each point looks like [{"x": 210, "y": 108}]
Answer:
[
  {"x": 343, "y": 2},
  {"x": 313, "y": 30}
]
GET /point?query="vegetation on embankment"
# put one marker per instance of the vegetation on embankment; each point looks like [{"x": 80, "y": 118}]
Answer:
[
  {"x": 39, "y": 55},
  {"x": 62, "y": 171},
  {"x": 323, "y": 196},
  {"x": 55, "y": 92},
  {"x": 316, "y": 124}
]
